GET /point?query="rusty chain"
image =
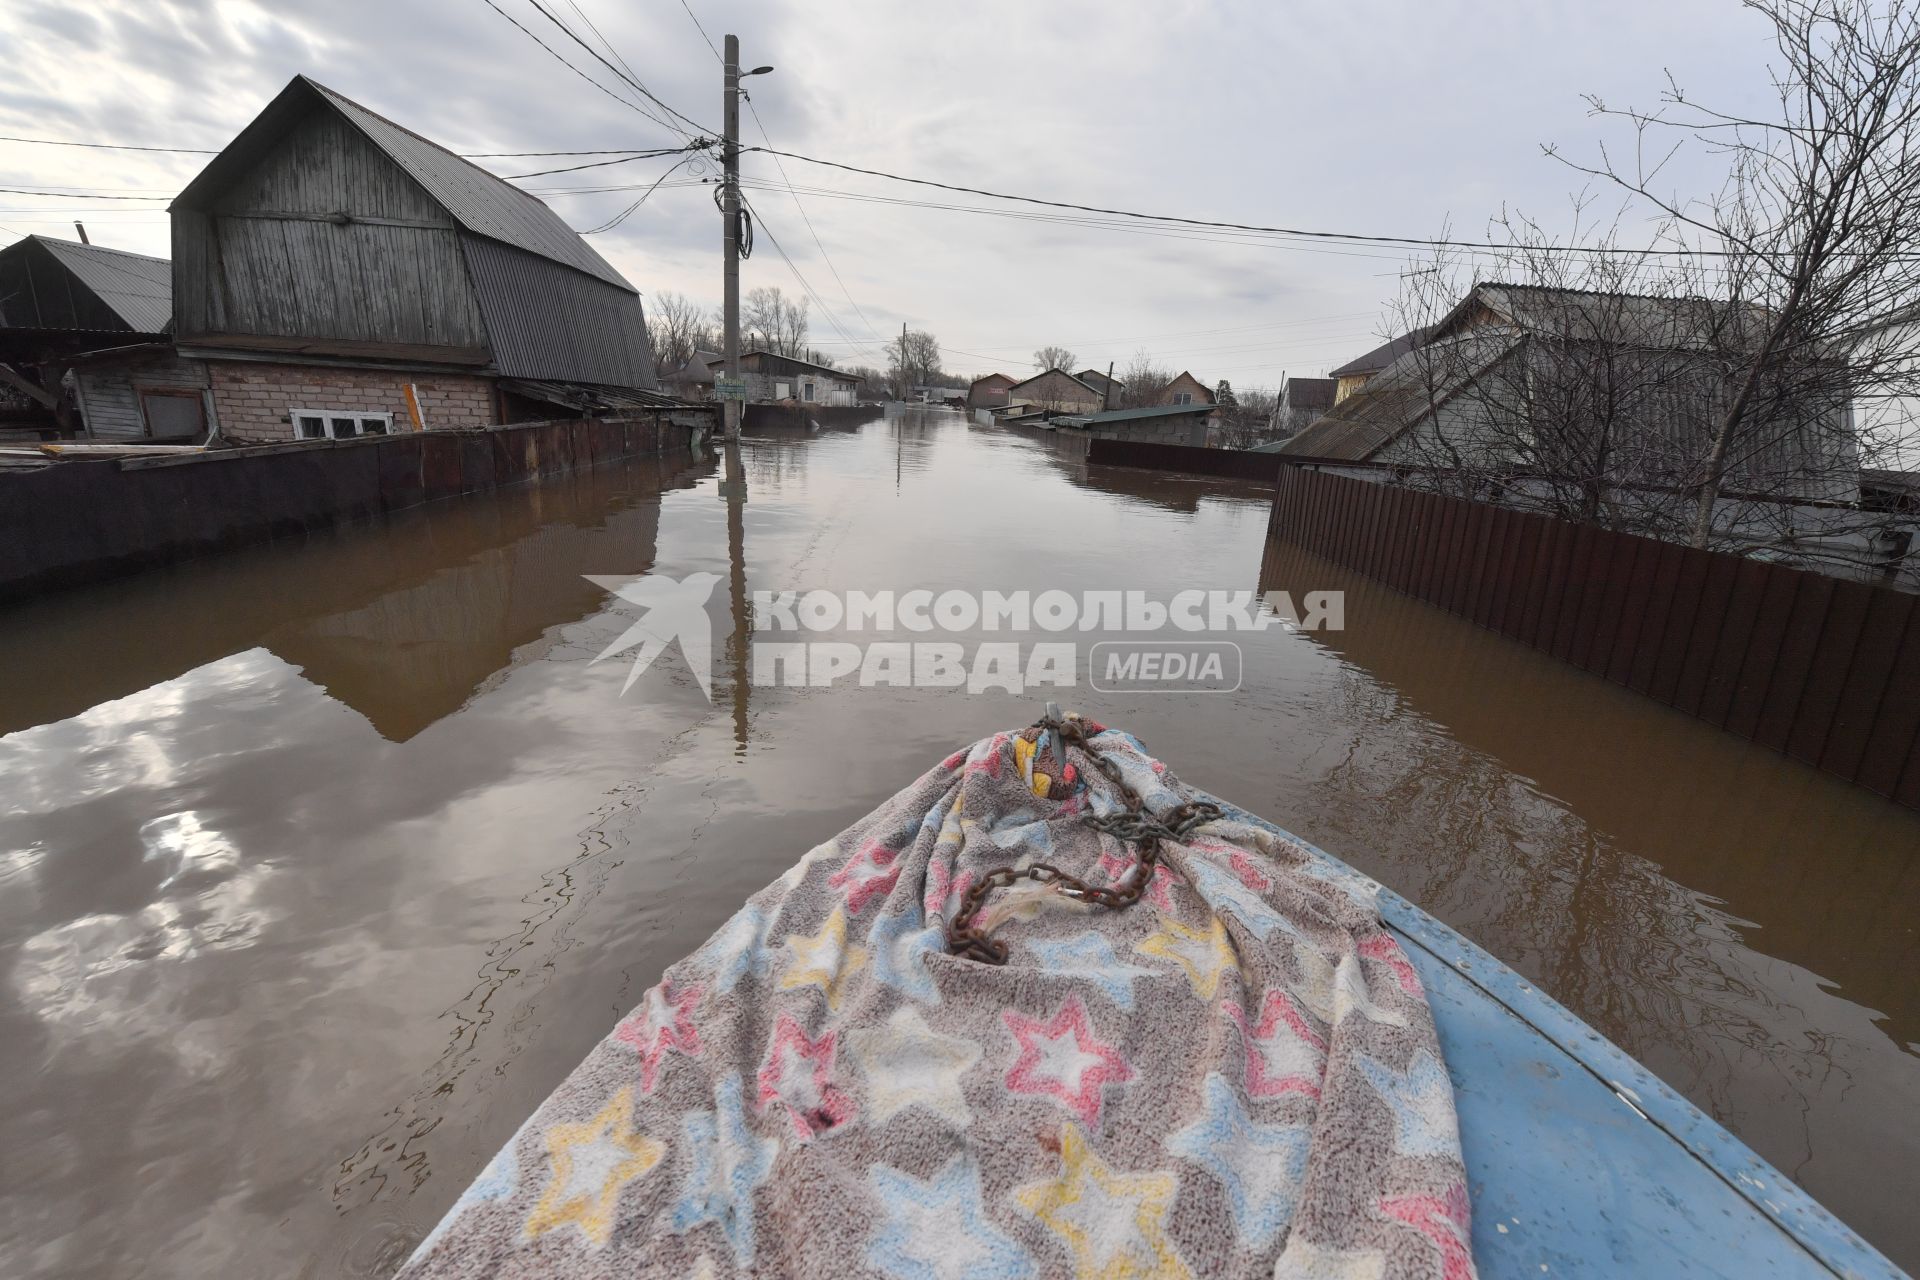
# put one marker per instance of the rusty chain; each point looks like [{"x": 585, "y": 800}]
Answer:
[{"x": 1134, "y": 824}]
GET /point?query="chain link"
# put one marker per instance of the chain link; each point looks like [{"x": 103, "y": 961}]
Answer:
[{"x": 1134, "y": 824}]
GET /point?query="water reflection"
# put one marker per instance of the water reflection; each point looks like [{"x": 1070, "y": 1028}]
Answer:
[
  {"x": 1630, "y": 860},
  {"x": 402, "y": 623},
  {"x": 332, "y": 858}
]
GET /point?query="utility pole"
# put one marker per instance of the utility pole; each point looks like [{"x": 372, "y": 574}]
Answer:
[
  {"x": 906, "y": 388},
  {"x": 1106, "y": 389},
  {"x": 730, "y": 214}
]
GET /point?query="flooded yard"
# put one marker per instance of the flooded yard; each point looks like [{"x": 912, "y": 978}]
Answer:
[{"x": 322, "y": 863}]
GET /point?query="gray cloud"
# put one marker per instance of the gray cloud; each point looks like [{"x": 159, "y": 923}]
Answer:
[{"x": 1369, "y": 116}]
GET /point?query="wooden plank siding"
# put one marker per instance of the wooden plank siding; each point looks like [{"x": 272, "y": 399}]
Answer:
[
  {"x": 1822, "y": 669},
  {"x": 274, "y": 260}
]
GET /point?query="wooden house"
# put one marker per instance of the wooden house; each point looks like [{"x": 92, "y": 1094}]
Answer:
[{"x": 335, "y": 274}]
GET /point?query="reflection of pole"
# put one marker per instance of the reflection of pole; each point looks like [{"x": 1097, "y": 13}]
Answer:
[{"x": 733, "y": 489}]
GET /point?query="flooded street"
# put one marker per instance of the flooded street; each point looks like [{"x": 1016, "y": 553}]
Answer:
[{"x": 321, "y": 864}]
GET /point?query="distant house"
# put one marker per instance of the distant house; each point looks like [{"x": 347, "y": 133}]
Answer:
[
  {"x": 1161, "y": 424},
  {"x": 1353, "y": 375},
  {"x": 1301, "y": 401},
  {"x": 1507, "y": 384},
  {"x": 1185, "y": 389},
  {"x": 988, "y": 392},
  {"x": 770, "y": 379},
  {"x": 1057, "y": 390},
  {"x": 337, "y": 275},
  {"x": 779, "y": 378},
  {"x": 1111, "y": 388},
  {"x": 694, "y": 379},
  {"x": 59, "y": 298}
]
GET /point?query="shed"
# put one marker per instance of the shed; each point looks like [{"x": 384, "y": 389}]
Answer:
[{"x": 59, "y": 298}]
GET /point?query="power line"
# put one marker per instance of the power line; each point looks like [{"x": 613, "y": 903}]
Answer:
[
  {"x": 873, "y": 344},
  {"x": 108, "y": 146},
  {"x": 622, "y": 216},
  {"x": 709, "y": 39},
  {"x": 631, "y": 80},
  {"x": 562, "y": 59},
  {"x": 824, "y": 255},
  {"x": 203, "y": 151},
  {"x": 1301, "y": 233},
  {"x": 597, "y": 164},
  {"x": 81, "y": 195}
]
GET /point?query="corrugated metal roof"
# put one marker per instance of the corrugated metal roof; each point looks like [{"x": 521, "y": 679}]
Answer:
[
  {"x": 590, "y": 398},
  {"x": 481, "y": 202},
  {"x": 1384, "y": 354},
  {"x": 546, "y": 321},
  {"x": 137, "y": 287},
  {"x": 1399, "y": 396}
]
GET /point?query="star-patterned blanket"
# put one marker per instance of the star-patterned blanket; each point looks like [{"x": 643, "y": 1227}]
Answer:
[{"x": 1237, "y": 1076}]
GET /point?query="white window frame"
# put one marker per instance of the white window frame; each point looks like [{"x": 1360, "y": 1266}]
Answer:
[
  {"x": 1183, "y": 397},
  {"x": 361, "y": 418}
]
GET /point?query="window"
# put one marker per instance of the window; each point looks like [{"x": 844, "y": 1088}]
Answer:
[
  {"x": 1183, "y": 397},
  {"x": 339, "y": 424},
  {"x": 173, "y": 413},
  {"x": 806, "y": 389}
]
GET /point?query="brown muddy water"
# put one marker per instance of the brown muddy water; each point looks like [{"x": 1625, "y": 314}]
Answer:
[{"x": 321, "y": 863}]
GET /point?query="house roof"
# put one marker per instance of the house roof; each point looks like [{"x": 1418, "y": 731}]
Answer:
[
  {"x": 1062, "y": 372},
  {"x": 1205, "y": 390},
  {"x": 138, "y": 288},
  {"x": 1310, "y": 393},
  {"x": 1133, "y": 415},
  {"x": 1396, "y": 398},
  {"x": 589, "y": 397},
  {"x": 1640, "y": 320},
  {"x": 988, "y": 377},
  {"x": 1383, "y": 355},
  {"x": 1098, "y": 380},
  {"x": 481, "y": 202},
  {"x": 842, "y": 374}
]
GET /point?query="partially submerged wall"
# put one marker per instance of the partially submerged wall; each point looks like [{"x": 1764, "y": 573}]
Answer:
[{"x": 78, "y": 520}]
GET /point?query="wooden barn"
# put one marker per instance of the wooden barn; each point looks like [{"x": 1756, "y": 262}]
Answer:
[{"x": 335, "y": 274}]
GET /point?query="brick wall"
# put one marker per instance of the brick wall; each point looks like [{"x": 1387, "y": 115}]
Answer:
[{"x": 253, "y": 400}]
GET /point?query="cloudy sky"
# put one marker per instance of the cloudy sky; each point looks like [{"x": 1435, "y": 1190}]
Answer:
[{"x": 1350, "y": 115}]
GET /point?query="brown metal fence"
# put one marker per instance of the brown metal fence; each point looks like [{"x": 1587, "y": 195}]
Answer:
[
  {"x": 1823, "y": 669},
  {"x": 1240, "y": 464}
]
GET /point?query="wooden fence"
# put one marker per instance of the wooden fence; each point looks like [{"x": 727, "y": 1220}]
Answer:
[
  {"x": 1241, "y": 464},
  {"x": 1823, "y": 669}
]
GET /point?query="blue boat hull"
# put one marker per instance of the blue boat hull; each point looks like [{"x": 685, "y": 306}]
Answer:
[{"x": 1580, "y": 1161}]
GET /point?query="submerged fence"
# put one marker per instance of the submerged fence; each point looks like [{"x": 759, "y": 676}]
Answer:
[
  {"x": 1241, "y": 464},
  {"x": 1823, "y": 669}
]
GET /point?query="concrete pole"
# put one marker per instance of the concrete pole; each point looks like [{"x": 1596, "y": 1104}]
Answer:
[{"x": 730, "y": 213}]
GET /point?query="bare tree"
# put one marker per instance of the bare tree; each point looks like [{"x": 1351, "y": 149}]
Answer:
[
  {"x": 1053, "y": 358},
  {"x": 677, "y": 326},
  {"x": 1815, "y": 238},
  {"x": 1245, "y": 418},
  {"x": 915, "y": 363},
  {"x": 1143, "y": 380},
  {"x": 771, "y": 321}
]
